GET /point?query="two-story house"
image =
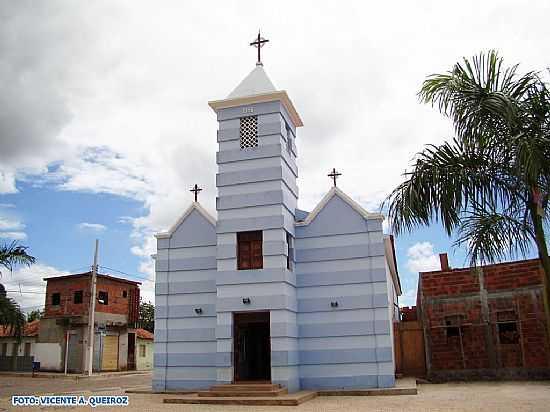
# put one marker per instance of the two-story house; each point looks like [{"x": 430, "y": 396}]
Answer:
[{"x": 66, "y": 320}]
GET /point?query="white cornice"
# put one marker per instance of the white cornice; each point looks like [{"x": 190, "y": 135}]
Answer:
[
  {"x": 282, "y": 96},
  {"x": 337, "y": 192},
  {"x": 194, "y": 206}
]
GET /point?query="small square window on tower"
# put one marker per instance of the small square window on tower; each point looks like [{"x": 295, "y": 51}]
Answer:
[{"x": 248, "y": 132}]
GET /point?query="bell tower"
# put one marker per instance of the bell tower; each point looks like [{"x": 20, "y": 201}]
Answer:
[{"x": 256, "y": 203}]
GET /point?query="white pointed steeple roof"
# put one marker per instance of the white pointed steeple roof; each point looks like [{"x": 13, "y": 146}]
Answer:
[
  {"x": 257, "y": 88},
  {"x": 257, "y": 82}
]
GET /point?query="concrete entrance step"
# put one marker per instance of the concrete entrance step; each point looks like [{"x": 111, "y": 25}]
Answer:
[
  {"x": 293, "y": 399},
  {"x": 242, "y": 390}
]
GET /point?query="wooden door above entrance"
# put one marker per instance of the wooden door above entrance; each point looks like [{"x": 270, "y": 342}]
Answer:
[{"x": 251, "y": 346}]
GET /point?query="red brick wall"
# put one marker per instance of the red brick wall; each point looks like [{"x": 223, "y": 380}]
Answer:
[
  {"x": 67, "y": 286},
  {"x": 513, "y": 288},
  {"x": 408, "y": 313},
  {"x": 117, "y": 304}
]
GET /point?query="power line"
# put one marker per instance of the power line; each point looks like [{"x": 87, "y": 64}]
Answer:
[
  {"x": 24, "y": 291},
  {"x": 127, "y": 274}
]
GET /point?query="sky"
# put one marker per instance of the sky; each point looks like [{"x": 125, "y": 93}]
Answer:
[{"x": 104, "y": 123}]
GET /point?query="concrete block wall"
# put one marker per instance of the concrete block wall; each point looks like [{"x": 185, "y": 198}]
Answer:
[
  {"x": 340, "y": 258},
  {"x": 185, "y": 341}
]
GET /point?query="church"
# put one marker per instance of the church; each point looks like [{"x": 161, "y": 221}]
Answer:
[{"x": 264, "y": 291}]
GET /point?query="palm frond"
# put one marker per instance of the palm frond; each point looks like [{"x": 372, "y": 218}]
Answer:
[{"x": 14, "y": 254}]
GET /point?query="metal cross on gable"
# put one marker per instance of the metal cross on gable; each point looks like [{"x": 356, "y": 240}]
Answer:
[
  {"x": 196, "y": 189},
  {"x": 334, "y": 175},
  {"x": 259, "y": 43}
]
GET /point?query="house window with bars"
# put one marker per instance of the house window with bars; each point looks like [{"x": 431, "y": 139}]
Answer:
[
  {"x": 248, "y": 132},
  {"x": 249, "y": 250}
]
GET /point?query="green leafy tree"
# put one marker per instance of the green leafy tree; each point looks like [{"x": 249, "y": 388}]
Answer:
[
  {"x": 35, "y": 315},
  {"x": 11, "y": 316},
  {"x": 490, "y": 185},
  {"x": 147, "y": 315}
]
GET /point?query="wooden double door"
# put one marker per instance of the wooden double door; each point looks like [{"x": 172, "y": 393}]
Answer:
[{"x": 251, "y": 347}]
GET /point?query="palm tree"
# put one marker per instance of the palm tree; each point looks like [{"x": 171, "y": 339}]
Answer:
[
  {"x": 11, "y": 316},
  {"x": 490, "y": 185}
]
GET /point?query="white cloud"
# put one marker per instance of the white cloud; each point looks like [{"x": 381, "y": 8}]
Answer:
[
  {"x": 11, "y": 228},
  {"x": 6, "y": 224},
  {"x": 92, "y": 227},
  {"x": 422, "y": 258},
  {"x": 26, "y": 287},
  {"x": 7, "y": 182},
  {"x": 120, "y": 105},
  {"x": 408, "y": 298},
  {"x": 13, "y": 235}
]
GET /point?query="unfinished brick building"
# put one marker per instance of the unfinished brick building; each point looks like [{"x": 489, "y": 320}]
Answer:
[{"x": 485, "y": 322}]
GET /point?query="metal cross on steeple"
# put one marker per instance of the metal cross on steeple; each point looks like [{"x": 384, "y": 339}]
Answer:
[
  {"x": 196, "y": 189},
  {"x": 259, "y": 43},
  {"x": 334, "y": 175}
]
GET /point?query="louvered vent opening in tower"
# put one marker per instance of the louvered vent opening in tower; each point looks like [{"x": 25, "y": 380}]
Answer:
[{"x": 249, "y": 132}]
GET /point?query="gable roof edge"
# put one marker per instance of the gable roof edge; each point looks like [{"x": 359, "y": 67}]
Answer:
[
  {"x": 194, "y": 206},
  {"x": 335, "y": 191}
]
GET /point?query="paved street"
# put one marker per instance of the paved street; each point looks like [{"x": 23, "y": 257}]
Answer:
[
  {"x": 23, "y": 385},
  {"x": 484, "y": 396}
]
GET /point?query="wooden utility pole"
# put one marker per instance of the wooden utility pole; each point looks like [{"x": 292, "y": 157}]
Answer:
[{"x": 91, "y": 328}]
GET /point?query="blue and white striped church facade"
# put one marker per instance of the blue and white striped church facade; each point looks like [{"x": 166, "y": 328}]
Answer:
[{"x": 327, "y": 287}]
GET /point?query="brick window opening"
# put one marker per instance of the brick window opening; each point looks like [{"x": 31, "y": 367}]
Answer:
[
  {"x": 4, "y": 349},
  {"x": 77, "y": 297},
  {"x": 103, "y": 297},
  {"x": 56, "y": 299},
  {"x": 507, "y": 328},
  {"x": 452, "y": 325},
  {"x": 142, "y": 351},
  {"x": 249, "y": 250},
  {"x": 508, "y": 333},
  {"x": 248, "y": 132},
  {"x": 124, "y": 294}
]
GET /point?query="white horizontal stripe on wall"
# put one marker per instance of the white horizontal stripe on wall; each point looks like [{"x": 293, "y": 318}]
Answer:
[
  {"x": 334, "y": 241},
  {"x": 227, "y": 239},
  {"x": 186, "y": 252},
  {"x": 374, "y": 262},
  {"x": 224, "y": 374},
  {"x": 282, "y": 316},
  {"x": 191, "y": 275},
  {"x": 255, "y": 211},
  {"x": 190, "y": 347},
  {"x": 191, "y": 323},
  {"x": 274, "y": 235},
  {"x": 246, "y": 188},
  {"x": 284, "y": 344},
  {"x": 336, "y": 316},
  {"x": 335, "y": 291},
  {"x": 256, "y": 289},
  {"x": 191, "y": 299},
  {"x": 250, "y": 164},
  {"x": 340, "y": 342},
  {"x": 191, "y": 373},
  {"x": 224, "y": 318},
  {"x": 226, "y": 264},
  {"x": 350, "y": 369}
]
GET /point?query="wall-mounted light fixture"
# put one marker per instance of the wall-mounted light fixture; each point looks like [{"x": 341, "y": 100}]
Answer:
[
  {"x": 334, "y": 304},
  {"x": 246, "y": 301},
  {"x": 198, "y": 311}
]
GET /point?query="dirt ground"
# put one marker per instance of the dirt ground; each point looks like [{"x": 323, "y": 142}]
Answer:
[{"x": 478, "y": 396}]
